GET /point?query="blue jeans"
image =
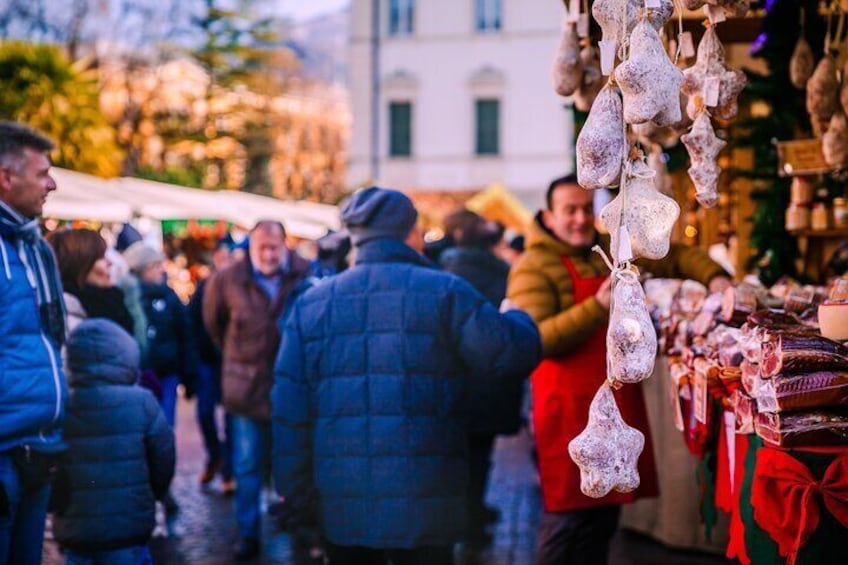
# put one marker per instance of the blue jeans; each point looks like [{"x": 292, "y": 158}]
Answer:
[
  {"x": 208, "y": 398},
  {"x": 136, "y": 555},
  {"x": 169, "y": 397},
  {"x": 251, "y": 457},
  {"x": 22, "y": 514}
]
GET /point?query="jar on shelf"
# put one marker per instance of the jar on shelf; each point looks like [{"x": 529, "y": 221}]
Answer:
[
  {"x": 820, "y": 219},
  {"x": 797, "y": 217},
  {"x": 801, "y": 191},
  {"x": 840, "y": 213}
]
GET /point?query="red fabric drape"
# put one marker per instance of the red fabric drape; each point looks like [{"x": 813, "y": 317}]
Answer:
[{"x": 786, "y": 498}]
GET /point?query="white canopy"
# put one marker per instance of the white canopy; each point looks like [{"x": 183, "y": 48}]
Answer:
[{"x": 82, "y": 196}]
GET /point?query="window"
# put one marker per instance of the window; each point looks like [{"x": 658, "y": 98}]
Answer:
[
  {"x": 401, "y": 14},
  {"x": 488, "y": 127},
  {"x": 400, "y": 129},
  {"x": 488, "y": 15}
]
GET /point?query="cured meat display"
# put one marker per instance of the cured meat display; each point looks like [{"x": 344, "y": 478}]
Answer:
[
  {"x": 648, "y": 215},
  {"x": 835, "y": 140},
  {"x": 797, "y": 353},
  {"x": 601, "y": 143},
  {"x": 649, "y": 81},
  {"x": 593, "y": 79},
  {"x": 801, "y": 64},
  {"x": 568, "y": 67},
  {"x": 608, "y": 450},
  {"x": 816, "y": 428},
  {"x": 784, "y": 393},
  {"x": 710, "y": 65},
  {"x": 822, "y": 94},
  {"x": 617, "y": 18},
  {"x": 631, "y": 339},
  {"x": 704, "y": 146},
  {"x": 780, "y": 376}
]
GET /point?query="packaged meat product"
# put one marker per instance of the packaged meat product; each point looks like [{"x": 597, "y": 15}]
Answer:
[
  {"x": 730, "y": 348},
  {"x": 691, "y": 297},
  {"x": 752, "y": 343},
  {"x": 835, "y": 140},
  {"x": 649, "y": 81},
  {"x": 739, "y": 302},
  {"x": 608, "y": 450},
  {"x": 706, "y": 319},
  {"x": 631, "y": 340},
  {"x": 816, "y": 428},
  {"x": 797, "y": 353},
  {"x": 710, "y": 64},
  {"x": 610, "y": 15},
  {"x": 822, "y": 94},
  {"x": 750, "y": 378},
  {"x": 703, "y": 147},
  {"x": 774, "y": 319},
  {"x": 745, "y": 409},
  {"x": 821, "y": 389},
  {"x": 801, "y": 64},
  {"x": 568, "y": 69},
  {"x": 601, "y": 143},
  {"x": 648, "y": 215},
  {"x": 593, "y": 80},
  {"x": 660, "y": 294}
]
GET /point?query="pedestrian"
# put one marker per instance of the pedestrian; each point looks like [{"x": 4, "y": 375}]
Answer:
[
  {"x": 494, "y": 410},
  {"x": 566, "y": 288},
  {"x": 241, "y": 309},
  {"x": 170, "y": 352},
  {"x": 32, "y": 331},
  {"x": 208, "y": 385},
  {"x": 370, "y": 395},
  {"x": 120, "y": 452},
  {"x": 86, "y": 278},
  {"x": 170, "y": 356}
]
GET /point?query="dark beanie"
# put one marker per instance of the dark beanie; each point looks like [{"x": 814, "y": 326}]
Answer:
[{"x": 374, "y": 213}]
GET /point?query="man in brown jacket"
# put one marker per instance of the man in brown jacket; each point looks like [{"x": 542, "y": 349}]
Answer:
[
  {"x": 241, "y": 310},
  {"x": 566, "y": 288}
]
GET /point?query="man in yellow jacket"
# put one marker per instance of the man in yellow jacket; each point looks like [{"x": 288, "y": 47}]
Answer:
[{"x": 565, "y": 287}]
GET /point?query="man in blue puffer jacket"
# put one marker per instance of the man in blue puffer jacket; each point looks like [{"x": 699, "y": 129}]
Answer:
[
  {"x": 32, "y": 329},
  {"x": 369, "y": 402},
  {"x": 121, "y": 451}
]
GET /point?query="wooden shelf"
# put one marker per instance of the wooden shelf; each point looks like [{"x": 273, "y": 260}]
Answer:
[{"x": 832, "y": 233}]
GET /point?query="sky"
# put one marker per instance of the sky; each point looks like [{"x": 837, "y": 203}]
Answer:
[{"x": 305, "y": 9}]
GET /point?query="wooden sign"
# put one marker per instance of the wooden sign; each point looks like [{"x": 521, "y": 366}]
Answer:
[{"x": 801, "y": 157}]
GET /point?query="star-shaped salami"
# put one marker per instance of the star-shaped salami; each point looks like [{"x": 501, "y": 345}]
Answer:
[
  {"x": 710, "y": 65},
  {"x": 608, "y": 14},
  {"x": 608, "y": 450},
  {"x": 703, "y": 147},
  {"x": 648, "y": 215},
  {"x": 649, "y": 81}
]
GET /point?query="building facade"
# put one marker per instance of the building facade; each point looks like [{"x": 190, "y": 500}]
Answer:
[{"x": 455, "y": 95}]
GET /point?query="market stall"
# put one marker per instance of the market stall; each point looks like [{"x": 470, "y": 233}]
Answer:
[
  {"x": 85, "y": 197},
  {"x": 696, "y": 151}
]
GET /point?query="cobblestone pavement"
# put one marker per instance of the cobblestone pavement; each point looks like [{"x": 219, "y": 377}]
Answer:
[{"x": 204, "y": 530}]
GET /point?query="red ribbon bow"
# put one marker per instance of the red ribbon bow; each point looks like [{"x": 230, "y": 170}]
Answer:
[{"x": 785, "y": 501}]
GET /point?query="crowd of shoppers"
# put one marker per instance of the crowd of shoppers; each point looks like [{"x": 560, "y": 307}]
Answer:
[{"x": 373, "y": 383}]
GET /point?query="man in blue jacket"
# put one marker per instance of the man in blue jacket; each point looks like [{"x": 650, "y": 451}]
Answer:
[
  {"x": 369, "y": 402},
  {"x": 32, "y": 329}
]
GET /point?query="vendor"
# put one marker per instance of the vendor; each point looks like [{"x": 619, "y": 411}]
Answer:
[{"x": 566, "y": 288}]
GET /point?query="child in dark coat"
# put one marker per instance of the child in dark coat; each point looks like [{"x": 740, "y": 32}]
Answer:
[{"x": 120, "y": 455}]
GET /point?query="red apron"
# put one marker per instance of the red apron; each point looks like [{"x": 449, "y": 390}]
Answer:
[{"x": 563, "y": 388}]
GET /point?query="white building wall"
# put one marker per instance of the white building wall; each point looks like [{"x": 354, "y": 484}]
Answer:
[{"x": 442, "y": 68}]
